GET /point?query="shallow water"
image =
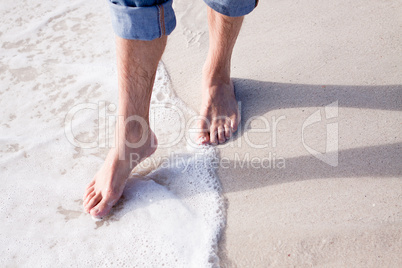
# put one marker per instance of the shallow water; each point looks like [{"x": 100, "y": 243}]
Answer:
[{"x": 58, "y": 99}]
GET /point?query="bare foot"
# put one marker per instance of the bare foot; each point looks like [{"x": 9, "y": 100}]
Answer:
[
  {"x": 219, "y": 107},
  {"x": 108, "y": 184},
  {"x": 219, "y": 110}
]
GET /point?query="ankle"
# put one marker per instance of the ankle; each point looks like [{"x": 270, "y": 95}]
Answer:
[
  {"x": 133, "y": 137},
  {"x": 216, "y": 82},
  {"x": 216, "y": 73},
  {"x": 135, "y": 148}
]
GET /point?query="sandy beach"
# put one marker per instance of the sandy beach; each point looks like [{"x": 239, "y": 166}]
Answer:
[
  {"x": 312, "y": 178},
  {"x": 292, "y": 59}
]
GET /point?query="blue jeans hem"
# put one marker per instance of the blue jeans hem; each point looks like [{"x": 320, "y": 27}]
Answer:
[
  {"x": 232, "y": 8},
  {"x": 142, "y": 23}
]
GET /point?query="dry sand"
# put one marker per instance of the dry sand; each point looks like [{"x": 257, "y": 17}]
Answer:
[{"x": 292, "y": 59}]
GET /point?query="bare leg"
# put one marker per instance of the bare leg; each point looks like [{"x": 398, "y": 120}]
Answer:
[
  {"x": 137, "y": 62},
  {"x": 219, "y": 105}
]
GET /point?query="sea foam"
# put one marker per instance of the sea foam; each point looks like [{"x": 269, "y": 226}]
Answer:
[{"x": 171, "y": 213}]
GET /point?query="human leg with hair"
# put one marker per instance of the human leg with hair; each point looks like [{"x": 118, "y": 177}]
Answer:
[
  {"x": 138, "y": 53},
  {"x": 219, "y": 109},
  {"x": 142, "y": 27}
]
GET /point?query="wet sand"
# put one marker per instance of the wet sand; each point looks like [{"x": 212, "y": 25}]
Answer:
[{"x": 293, "y": 59}]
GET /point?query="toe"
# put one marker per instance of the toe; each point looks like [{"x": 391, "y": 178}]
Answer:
[
  {"x": 88, "y": 198},
  {"x": 101, "y": 209},
  {"x": 203, "y": 136},
  {"x": 88, "y": 191},
  {"x": 234, "y": 123},
  {"x": 213, "y": 135},
  {"x": 221, "y": 134},
  {"x": 93, "y": 202},
  {"x": 228, "y": 131},
  {"x": 92, "y": 183}
]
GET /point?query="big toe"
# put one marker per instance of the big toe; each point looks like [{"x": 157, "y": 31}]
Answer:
[
  {"x": 203, "y": 136},
  {"x": 101, "y": 209}
]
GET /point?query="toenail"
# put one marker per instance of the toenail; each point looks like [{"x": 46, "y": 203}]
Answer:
[{"x": 201, "y": 139}]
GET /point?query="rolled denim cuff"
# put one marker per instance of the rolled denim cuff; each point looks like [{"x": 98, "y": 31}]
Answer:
[
  {"x": 142, "y": 23},
  {"x": 232, "y": 8}
]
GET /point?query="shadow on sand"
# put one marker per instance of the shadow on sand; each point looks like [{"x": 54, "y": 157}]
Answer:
[{"x": 258, "y": 97}]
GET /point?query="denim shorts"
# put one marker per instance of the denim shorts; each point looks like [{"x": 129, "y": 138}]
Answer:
[{"x": 151, "y": 19}]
